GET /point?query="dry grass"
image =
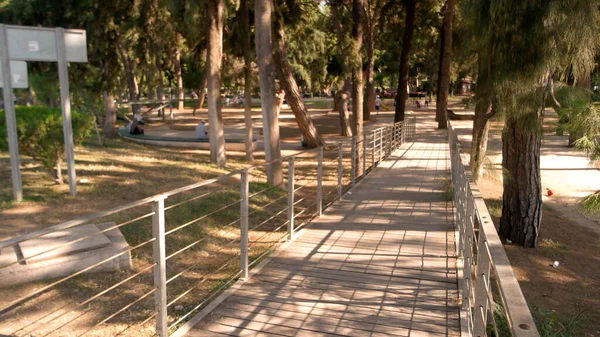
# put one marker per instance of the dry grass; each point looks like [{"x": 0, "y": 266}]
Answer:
[{"x": 120, "y": 173}]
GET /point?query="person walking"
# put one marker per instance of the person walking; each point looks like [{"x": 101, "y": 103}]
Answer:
[{"x": 377, "y": 104}]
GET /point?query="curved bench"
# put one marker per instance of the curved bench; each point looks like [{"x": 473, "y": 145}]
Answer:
[{"x": 231, "y": 144}]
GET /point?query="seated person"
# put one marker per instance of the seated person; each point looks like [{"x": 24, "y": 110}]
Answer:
[
  {"x": 201, "y": 132},
  {"x": 135, "y": 128}
]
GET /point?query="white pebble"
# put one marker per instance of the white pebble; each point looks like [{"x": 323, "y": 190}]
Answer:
[{"x": 555, "y": 264}]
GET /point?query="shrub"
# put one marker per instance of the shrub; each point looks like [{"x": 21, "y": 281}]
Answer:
[{"x": 40, "y": 135}]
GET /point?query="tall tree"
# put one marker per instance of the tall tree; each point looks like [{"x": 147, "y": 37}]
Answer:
[
  {"x": 214, "y": 64},
  {"x": 372, "y": 11},
  {"x": 529, "y": 35},
  {"x": 245, "y": 16},
  {"x": 262, "y": 22},
  {"x": 444, "y": 67},
  {"x": 357, "y": 82},
  {"x": 409, "y": 28},
  {"x": 343, "y": 94},
  {"x": 287, "y": 81}
]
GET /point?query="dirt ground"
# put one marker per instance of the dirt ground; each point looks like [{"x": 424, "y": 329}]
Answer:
[{"x": 564, "y": 300}]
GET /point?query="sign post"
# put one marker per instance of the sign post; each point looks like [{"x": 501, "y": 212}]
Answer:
[
  {"x": 46, "y": 45},
  {"x": 11, "y": 119},
  {"x": 65, "y": 105}
]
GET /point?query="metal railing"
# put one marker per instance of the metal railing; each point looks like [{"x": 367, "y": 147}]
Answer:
[
  {"x": 183, "y": 247},
  {"x": 484, "y": 271}
]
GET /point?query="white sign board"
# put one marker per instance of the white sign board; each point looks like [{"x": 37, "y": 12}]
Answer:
[
  {"x": 18, "y": 71},
  {"x": 39, "y": 44}
]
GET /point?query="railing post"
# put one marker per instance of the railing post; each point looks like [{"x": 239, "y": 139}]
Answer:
[
  {"x": 320, "y": 183},
  {"x": 160, "y": 267},
  {"x": 482, "y": 283},
  {"x": 244, "y": 190},
  {"x": 353, "y": 166},
  {"x": 290, "y": 226},
  {"x": 340, "y": 170},
  {"x": 373, "y": 153},
  {"x": 364, "y": 158},
  {"x": 380, "y": 145}
]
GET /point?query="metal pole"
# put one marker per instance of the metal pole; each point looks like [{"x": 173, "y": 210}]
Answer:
[
  {"x": 364, "y": 158},
  {"x": 244, "y": 189},
  {"x": 160, "y": 268},
  {"x": 11, "y": 123},
  {"x": 320, "y": 183},
  {"x": 171, "y": 104},
  {"x": 340, "y": 170},
  {"x": 65, "y": 100},
  {"x": 373, "y": 153},
  {"x": 290, "y": 226},
  {"x": 380, "y": 144},
  {"x": 353, "y": 171}
]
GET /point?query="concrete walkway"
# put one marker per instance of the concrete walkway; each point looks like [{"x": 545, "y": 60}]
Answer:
[{"x": 379, "y": 263}]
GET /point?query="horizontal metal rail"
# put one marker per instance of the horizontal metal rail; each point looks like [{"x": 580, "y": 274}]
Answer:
[
  {"x": 335, "y": 169},
  {"x": 481, "y": 258}
]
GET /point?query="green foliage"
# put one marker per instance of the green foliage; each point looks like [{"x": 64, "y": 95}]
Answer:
[
  {"x": 591, "y": 204},
  {"x": 40, "y": 134},
  {"x": 549, "y": 325}
]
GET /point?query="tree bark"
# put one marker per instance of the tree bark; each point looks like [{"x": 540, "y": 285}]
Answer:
[
  {"x": 343, "y": 94},
  {"x": 357, "y": 82},
  {"x": 180, "y": 95},
  {"x": 522, "y": 197},
  {"x": 262, "y": 20},
  {"x": 409, "y": 28},
  {"x": 110, "y": 115},
  {"x": 214, "y": 63},
  {"x": 159, "y": 77},
  {"x": 292, "y": 93},
  {"x": 480, "y": 135},
  {"x": 444, "y": 70},
  {"x": 245, "y": 16},
  {"x": 56, "y": 173},
  {"x": 341, "y": 98},
  {"x": 201, "y": 93},
  {"x": 130, "y": 77},
  {"x": 369, "y": 103},
  {"x": 30, "y": 99}
]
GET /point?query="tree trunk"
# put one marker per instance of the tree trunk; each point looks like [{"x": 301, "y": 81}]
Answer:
[
  {"x": 343, "y": 94},
  {"x": 56, "y": 173},
  {"x": 357, "y": 82},
  {"x": 369, "y": 103},
  {"x": 179, "y": 77},
  {"x": 30, "y": 98},
  {"x": 409, "y": 28},
  {"x": 341, "y": 99},
  {"x": 245, "y": 15},
  {"x": 264, "y": 58},
  {"x": 201, "y": 93},
  {"x": 480, "y": 136},
  {"x": 214, "y": 63},
  {"x": 444, "y": 70},
  {"x": 130, "y": 77},
  {"x": 522, "y": 197},
  {"x": 110, "y": 115},
  {"x": 159, "y": 73},
  {"x": 287, "y": 82}
]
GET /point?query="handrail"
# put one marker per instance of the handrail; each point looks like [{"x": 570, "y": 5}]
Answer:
[
  {"x": 384, "y": 140},
  {"x": 478, "y": 256}
]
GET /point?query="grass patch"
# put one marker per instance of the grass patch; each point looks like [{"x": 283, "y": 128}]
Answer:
[{"x": 494, "y": 207}]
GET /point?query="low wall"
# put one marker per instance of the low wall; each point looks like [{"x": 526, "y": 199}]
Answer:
[{"x": 234, "y": 144}]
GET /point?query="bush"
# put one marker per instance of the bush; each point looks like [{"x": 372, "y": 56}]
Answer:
[{"x": 40, "y": 134}]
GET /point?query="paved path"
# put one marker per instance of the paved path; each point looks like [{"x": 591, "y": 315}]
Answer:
[{"x": 379, "y": 263}]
